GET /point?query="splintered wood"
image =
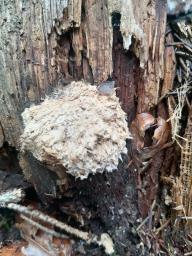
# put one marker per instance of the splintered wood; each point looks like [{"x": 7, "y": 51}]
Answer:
[
  {"x": 182, "y": 186},
  {"x": 177, "y": 101},
  {"x": 186, "y": 168}
]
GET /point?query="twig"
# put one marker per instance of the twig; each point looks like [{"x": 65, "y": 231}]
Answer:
[
  {"x": 151, "y": 213},
  {"x": 43, "y": 228},
  {"x": 183, "y": 54},
  {"x": 47, "y": 219},
  {"x": 183, "y": 41},
  {"x": 186, "y": 218},
  {"x": 179, "y": 75},
  {"x": 148, "y": 217},
  {"x": 162, "y": 226},
  {"x": 142, "y": 223},
  {"x": 174, "y": 44},
  {"x": 183, "y": 64},
  {"x": 188, "y": 253},
  {"x": 188, "y": 48}
]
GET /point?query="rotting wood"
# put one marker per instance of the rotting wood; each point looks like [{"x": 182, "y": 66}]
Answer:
[
  {"x": 170, "y": 66},
  {"x": 98, "y": 34},
  {"x": 179, "y": 103},
  {"x": 126, "y": 74},
  {"x": 154, "y": 28},
  {"x": 141, "y": 34},
  {"x": 65, "y": 41},
  {"x": 78, "y": 45},
  {"x": 25, "y": 69},
  {"x": 186, "y": 169}
]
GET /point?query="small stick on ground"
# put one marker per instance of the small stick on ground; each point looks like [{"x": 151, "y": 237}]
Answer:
[
  {"x": 162, "y": 226},
  {"x": 188, "y": 253},
  {"x": 43, "y": 228}
]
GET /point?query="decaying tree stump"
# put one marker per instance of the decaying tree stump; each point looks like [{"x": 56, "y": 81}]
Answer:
[
  {"x": 48, "y": 44},
  {"x": 44, "y": 45}
]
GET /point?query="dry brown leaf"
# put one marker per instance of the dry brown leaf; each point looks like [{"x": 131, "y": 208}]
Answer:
[
  {"x": 143, "y": 122},
  {"x": 150, "y": 136},
  {"x": 12, "y": 250},
  {"x": 162, "y": 131}
]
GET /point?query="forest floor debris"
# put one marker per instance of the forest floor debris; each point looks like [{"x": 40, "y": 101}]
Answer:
[{"x": 10, "y": 200}]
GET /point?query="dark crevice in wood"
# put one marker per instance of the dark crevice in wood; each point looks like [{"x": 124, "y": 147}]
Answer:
[
  {"x": 67, "y": 59},
  {"x": 126, "y": 73},
  {"x": 116, "y": 19},
  {"x": 63, "y": 54},
  {"x": 2, "y": 134},
  {"x": 9, "y": 159}
]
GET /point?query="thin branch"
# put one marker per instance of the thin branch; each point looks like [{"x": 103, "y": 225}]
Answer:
[
  {"x": 43, "y": 228},
  {"x": 47, "y": 219},
  {"x": 162, "y": 226},
  {"x": 188, "y": 253}
]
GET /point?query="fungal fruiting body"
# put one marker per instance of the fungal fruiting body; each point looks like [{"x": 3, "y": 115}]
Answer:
[{"x": 78, "y": 129}]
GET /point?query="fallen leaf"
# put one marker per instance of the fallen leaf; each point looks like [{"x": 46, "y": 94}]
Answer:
[{"x": 12, "y": 250}]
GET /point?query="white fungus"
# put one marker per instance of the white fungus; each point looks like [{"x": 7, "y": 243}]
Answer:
[{"x": 77, "y": 128}]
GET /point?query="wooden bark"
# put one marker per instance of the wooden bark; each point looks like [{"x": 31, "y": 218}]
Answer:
[{"x": 46, "y": 43}]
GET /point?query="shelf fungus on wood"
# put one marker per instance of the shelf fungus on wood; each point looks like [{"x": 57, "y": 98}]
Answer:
[{"x": 76, "y": 128}]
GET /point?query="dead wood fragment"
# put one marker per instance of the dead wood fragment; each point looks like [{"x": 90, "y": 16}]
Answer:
[
  {"x": 163, "y": 226},
  {"x": 186, "y": 167},
  {"x": 181, "y": 184},
  {"x": 188, "y": 253},
  {"x": 170, "y": 66}
]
